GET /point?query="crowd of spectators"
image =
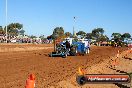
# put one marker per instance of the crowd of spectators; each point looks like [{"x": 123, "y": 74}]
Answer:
[{"x": 16, "y": 39}]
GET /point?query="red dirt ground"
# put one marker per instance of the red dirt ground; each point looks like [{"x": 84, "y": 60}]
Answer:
[{"x": 17, "y": 61}]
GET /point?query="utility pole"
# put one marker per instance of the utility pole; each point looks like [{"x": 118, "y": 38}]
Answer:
[
  {"x": 6, "y": 21},
  {"x": 74, "y": 34}
]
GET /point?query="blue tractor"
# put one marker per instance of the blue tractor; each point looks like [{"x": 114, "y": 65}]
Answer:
[
  {"x": 81, "y": 48},
  {"x": 65, "y": 49}
]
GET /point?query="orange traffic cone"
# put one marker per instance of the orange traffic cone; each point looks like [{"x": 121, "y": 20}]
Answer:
[
  {"x": 30, "y": 82},
  {"x": 81, "y": 71}
]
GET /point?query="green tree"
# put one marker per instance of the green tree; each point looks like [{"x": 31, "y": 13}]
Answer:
[
  {"x": 81, "y": 33},
  {"x": 126, "y": 35},
  {"x": 21, "y": 32},
  {"x": 103, "y": 38},
  {"x": 33, "y": 36},
  {"x": 18, "y": 26},
  {"x": 58, "y": 32},
  {"x": 97, "y": 32},
  {"x": 1, "y": 30},
  {"x": 116, "y": 37},
  {"x": 68, "y": 34},
  {"x": 49, "y": 37},
  {"x": 14, "y": 28},
  {"x": 1, "y": 27},
  {"x": 42, "y": 37},
  {"x": 89, "y": 35}
]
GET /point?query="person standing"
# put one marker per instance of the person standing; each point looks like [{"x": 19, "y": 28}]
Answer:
[{"x": 67, "y": 47}]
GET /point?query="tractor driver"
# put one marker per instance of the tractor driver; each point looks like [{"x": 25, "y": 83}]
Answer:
[{"x": 67, "y": 45}]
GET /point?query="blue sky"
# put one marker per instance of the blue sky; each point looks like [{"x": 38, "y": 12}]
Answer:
[{"x": 40, "y": 17}]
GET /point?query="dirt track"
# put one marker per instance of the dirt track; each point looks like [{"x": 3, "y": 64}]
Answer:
[{"x": 16, "y": 65}]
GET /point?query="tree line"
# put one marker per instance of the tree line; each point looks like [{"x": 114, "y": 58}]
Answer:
[
  {"x": 14, "y": 29},
  {"x": 96, "y": 34}
]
